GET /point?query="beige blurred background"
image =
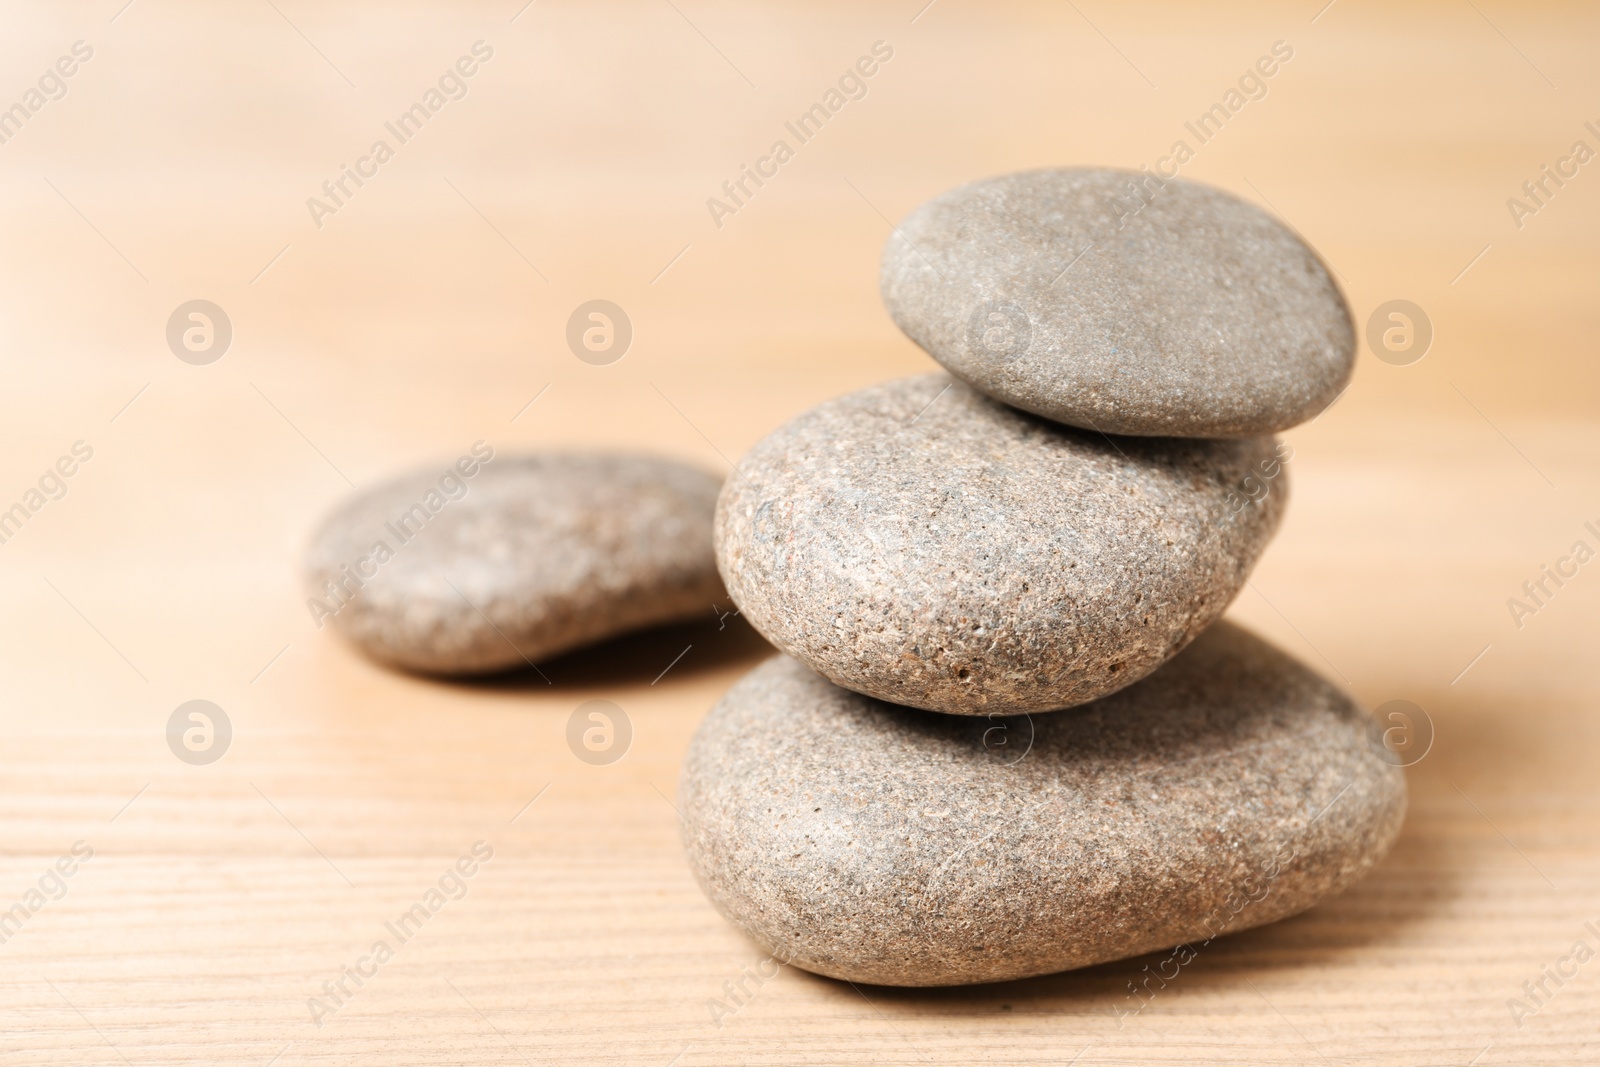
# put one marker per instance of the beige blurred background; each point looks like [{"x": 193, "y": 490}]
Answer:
[{"x": 430, "y": 308}]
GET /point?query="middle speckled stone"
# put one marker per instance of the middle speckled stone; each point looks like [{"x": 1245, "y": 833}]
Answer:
[{"x": 923, "y": 544}]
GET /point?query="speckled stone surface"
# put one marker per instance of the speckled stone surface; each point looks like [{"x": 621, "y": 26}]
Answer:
[
  {"x": 529, "y": 556},
  {"x": 1182, "y": 310},
  {"x": 880, "y": 844},
  {"x": 923, "y": 544}
]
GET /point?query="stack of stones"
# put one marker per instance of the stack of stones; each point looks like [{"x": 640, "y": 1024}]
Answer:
[{"x": 951, "y": 561}]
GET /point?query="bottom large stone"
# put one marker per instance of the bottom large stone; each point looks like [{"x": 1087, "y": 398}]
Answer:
[{"x": 876, "y": 843}]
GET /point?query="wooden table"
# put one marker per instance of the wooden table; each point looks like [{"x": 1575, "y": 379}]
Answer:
[{"x": 426, "y": 308}]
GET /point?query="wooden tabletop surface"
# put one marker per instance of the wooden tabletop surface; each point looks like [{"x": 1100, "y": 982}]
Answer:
[{"x": 211, "y": 907}]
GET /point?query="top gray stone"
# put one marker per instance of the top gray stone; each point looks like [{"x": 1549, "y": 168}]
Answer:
[
  {"x": 1109, "y": 300},
  {"x": 495, "y": 562}
]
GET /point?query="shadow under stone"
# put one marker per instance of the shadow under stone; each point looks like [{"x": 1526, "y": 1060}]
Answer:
[{"x": 659, "y": 654}]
